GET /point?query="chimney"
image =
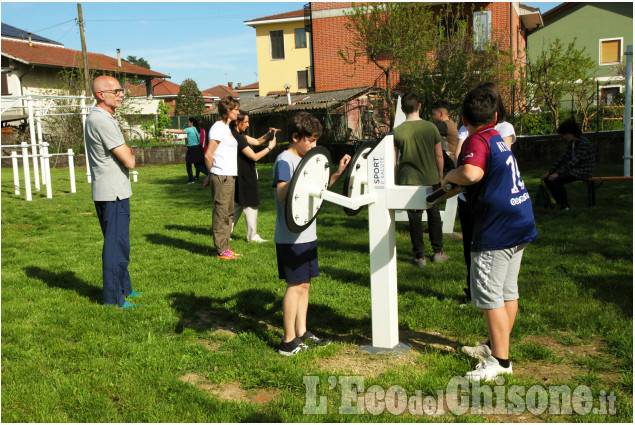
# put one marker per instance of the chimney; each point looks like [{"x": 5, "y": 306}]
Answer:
[
  {"x": 230, "y": 85},
  {"x": 239, "y": 86},
  {"x": 30, "y": 44},
  {"x": 119, "y": 58}
]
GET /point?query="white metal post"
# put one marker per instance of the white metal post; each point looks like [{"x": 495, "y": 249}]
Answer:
[
  {"x": 71, "y": 169},
  {"x": 27, "y": 172},
  {"x": 16, "y": 172},
  {"x": 84, "y": 114},
  {"x": 46, "y": 171},
  {"x": 36, "y": 172},
  {"x": 40, "y": 140},
  {"x": 627, "y": 111},
  {"x": 383, "y": 248}
]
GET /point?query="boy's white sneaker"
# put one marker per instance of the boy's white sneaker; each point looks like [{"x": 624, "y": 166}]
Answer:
[
  {"x": 481, "y": 351},
  {"x": 488, "y": 370}
]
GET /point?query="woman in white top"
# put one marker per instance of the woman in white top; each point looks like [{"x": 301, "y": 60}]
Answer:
[
  {"x": 506, "y": 130},
  {"x": 220, "y": 159}
]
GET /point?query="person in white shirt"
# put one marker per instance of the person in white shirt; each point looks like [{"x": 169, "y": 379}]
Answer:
[{"x": 220, "y": 159}]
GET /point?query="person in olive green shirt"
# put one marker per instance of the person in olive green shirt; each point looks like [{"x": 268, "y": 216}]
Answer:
[{"x": 419, "y": 149}]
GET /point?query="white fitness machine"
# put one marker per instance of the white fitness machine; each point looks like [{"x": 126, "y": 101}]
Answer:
[{"x": 369, "y": 181}]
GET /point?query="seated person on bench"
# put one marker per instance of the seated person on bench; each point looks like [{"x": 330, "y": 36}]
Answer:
[{"x": 575, "y": 164}]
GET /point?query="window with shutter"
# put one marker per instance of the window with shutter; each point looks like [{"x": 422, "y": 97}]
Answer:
[
  {"x": 303, "y": 79},
  {"x": 277, "y": 44},
  {"x": 610, "y": 51}
]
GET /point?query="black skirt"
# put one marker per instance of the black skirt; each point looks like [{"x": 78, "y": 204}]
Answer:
[{"x": 194, "y": 155}]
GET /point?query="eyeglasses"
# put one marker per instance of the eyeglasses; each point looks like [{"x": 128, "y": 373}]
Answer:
[{"x": 115, "y": 91}]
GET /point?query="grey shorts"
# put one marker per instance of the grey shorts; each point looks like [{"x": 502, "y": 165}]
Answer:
[{"x": 494, "y": 276}]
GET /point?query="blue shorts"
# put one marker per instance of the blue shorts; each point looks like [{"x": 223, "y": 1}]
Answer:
[{"x": 297, "y": 263}]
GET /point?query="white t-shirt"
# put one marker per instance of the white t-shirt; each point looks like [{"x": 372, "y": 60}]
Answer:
[
  {"x": 505, "y": 129},
  {"x": 225, "y": 162}
]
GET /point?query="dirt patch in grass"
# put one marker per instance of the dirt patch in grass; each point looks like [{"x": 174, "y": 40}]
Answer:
[
  {"x": 567, "y": 370},
  {"x": 218, "y": 338},
  {"x": 425, "y": 341},
  {"x": 559, "y": 348},
  {"x": 231, "y": 391},
  {"x": 547, "y": 373},
  {"x": 353, "y": 361}
]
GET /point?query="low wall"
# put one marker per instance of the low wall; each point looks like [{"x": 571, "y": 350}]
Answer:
[
  {"x": 530, "y": 151},
  {"x": 543, "y": 151},
  {"x": 143, "y": 156}
]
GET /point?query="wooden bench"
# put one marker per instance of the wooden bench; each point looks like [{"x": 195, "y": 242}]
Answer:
[{"x": 591, "y": 185}]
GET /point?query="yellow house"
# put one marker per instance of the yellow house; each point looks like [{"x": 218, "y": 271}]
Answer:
[{"x": 283, "y": 48}]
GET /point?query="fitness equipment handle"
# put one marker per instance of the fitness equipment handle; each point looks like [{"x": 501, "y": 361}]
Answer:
[{"x": 437, "y": 194}]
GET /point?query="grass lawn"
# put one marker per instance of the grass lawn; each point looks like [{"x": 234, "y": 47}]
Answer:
[{"x": 202, "y": 347}]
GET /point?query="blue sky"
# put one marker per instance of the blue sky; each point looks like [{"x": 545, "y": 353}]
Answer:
[{"x": 205, "y": 41}]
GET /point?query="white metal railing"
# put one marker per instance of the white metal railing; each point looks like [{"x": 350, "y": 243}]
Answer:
[{"x": 39, "y": 154}]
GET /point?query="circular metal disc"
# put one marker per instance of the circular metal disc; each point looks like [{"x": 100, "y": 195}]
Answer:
[
  {"x": 310, "y": 178},
  {"x": 356, "y": 178}
]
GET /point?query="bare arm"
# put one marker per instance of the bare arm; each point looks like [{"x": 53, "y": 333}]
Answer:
[
  {"x": 281, "y": 189},
  {"x": 259, "y": 141},
  {"x": 396, "y": 167},
  {"x": 464, "y": 175},
  {"x": 174, "y": 131},
  {"x": 508, "y": 141},
  {"x": 438, "y": 156},
  {"x": 209, "y": 154},
  {"x": 125, "y": 155},
  {"x": 249, "y": 152},
  {"x": 457, "y": 152},
  {"x": 340, "y": 169}
]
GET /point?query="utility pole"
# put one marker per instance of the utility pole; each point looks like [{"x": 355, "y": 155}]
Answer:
[{"x": 84, "y": 52}]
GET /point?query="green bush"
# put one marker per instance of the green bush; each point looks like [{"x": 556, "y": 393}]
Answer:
[
  {"x": 534, "y": 124},
  {"x": 543, "y": 122}
]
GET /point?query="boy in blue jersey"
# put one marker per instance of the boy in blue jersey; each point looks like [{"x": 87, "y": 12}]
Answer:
[
  {"x": 503, "y": 224},
  {"x": 297, "y": 252}
]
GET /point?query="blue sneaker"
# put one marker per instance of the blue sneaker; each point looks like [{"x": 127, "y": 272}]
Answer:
[
  {"x": 134, "y": 294},
  {"x": 126, "y": 304}
]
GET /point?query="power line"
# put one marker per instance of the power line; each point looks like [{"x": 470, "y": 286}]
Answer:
[
  {"x": 53, "y": 26},
  {"x": 195, "y": 18}
]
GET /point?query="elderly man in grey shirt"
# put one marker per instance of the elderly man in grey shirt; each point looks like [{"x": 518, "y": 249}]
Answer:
[{"x": 110, "y": 159}]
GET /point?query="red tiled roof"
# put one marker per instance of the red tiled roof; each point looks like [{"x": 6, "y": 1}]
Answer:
[
  {"x": 287, "y": 15},
  {"x": 252, "y": 86},
  {"x": 220, "y": 91},
  {"x": 160, "y": 87},
  {"x": 39, "y": 54}
]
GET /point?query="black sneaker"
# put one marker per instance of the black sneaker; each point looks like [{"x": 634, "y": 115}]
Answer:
[
  {"x": 310, "y": 339},
  {"x": 292, "y": 348}
]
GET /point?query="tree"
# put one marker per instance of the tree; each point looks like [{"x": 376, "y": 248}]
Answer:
[
  {"x": 454, "y": 63},
  {"x": 430, "y": 48},
  {"x": 189, "y": 101},
  {"x": 387, "y": 34},
  {"x": 138, "y": 61},
  {"x": 559, "y": 70}
]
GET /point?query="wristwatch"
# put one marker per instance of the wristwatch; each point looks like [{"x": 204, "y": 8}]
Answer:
[{"x": 449, "y": 186}]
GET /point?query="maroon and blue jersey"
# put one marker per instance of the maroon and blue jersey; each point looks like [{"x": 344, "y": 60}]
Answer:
[{"x": 501, "y": 209}]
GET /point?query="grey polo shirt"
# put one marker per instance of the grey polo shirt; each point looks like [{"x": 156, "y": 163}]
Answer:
[{"x": 109, "y": 175}]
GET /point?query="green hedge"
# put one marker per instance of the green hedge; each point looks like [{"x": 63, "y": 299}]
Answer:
[{"x": 543, "y": 122}]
